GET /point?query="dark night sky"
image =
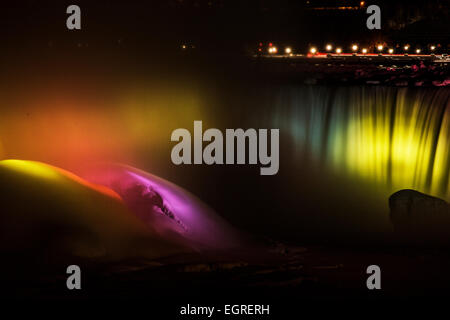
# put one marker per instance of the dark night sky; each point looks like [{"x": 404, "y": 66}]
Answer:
[{"x": 216, "y": 25}]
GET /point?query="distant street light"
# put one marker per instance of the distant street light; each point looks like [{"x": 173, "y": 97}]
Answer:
[
  {"x": 338, "y": 50},
  {"x": 432, "y": 48},
  {"x": 406, "y": 48},
  {"x": 354, "y": 47},
  {"x": 288, "y": 50},
  {"x": 391, "y": 51},
  {"x": 418, "y": 51},
  {"x": 313, "y": 50},
  {"x": 329, "y": 47},
  {"x": 364, "y": 51},
  {"x": 380, "y": 47}
]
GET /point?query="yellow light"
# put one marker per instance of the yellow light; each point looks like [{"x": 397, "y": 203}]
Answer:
[
  {"x": 391, "y": 51},
  {"x": 329, "y": 47},
  {"x": 364, "y": 50},
  {"x": 274, "y": 49},
  {"x": 406, "y": 48},
  {"x": 432, "y": 48},
  {"x": 313, "y": 50},
  {"x": 418, "y": 51},
  {"x": 354, "y": 47},
  {"x": 362, "y": 3},
  {"x": 390, "y": 140},
  {"x": 338, "y": 50},
  {"x": 288, "y": 50},
  {"x": 36, "y": 169},
  {"x": 380, "y": 47}
]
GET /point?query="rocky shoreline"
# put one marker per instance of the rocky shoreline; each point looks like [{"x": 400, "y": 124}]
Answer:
[{"x": 412, "y": 72}]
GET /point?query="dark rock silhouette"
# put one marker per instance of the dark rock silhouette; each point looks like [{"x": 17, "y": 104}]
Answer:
[{"x": 419, "y": 216}]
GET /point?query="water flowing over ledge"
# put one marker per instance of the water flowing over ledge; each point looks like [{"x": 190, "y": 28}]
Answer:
[{"x": 396, "y": 137}]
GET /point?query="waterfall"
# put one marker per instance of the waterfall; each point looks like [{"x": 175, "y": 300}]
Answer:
[{"x": 396, "y": 137}]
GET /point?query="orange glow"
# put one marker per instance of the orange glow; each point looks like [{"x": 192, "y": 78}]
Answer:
[{"x": 71, "y": 132}]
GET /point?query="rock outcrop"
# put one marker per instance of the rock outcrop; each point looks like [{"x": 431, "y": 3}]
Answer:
[{"x": 419, "y": 216}]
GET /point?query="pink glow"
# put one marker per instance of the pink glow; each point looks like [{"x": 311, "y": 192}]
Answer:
[{"x": 170, "y": 211}]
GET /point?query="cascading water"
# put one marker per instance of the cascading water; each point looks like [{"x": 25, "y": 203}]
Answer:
[
  {"x": 394, "y": 137},
  {"x": 343, "y": 149}
]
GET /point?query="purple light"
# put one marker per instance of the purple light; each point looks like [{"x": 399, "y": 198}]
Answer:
[{"x": 168, "y": 210}]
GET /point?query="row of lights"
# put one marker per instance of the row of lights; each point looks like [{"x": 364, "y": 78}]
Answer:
[
  {"x": 313, "y": 50},
  {"x": 355, "y": 48},
  {"x": 287, "y": 50}
]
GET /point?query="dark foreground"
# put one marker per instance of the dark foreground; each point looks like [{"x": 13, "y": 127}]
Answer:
[{"x": 286, "y": 277}]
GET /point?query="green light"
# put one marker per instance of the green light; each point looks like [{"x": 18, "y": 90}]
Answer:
[{"x": 392, "y": 138}]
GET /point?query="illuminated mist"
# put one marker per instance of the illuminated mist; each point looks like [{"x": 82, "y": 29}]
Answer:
[{"x": 343, "y": 150}]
